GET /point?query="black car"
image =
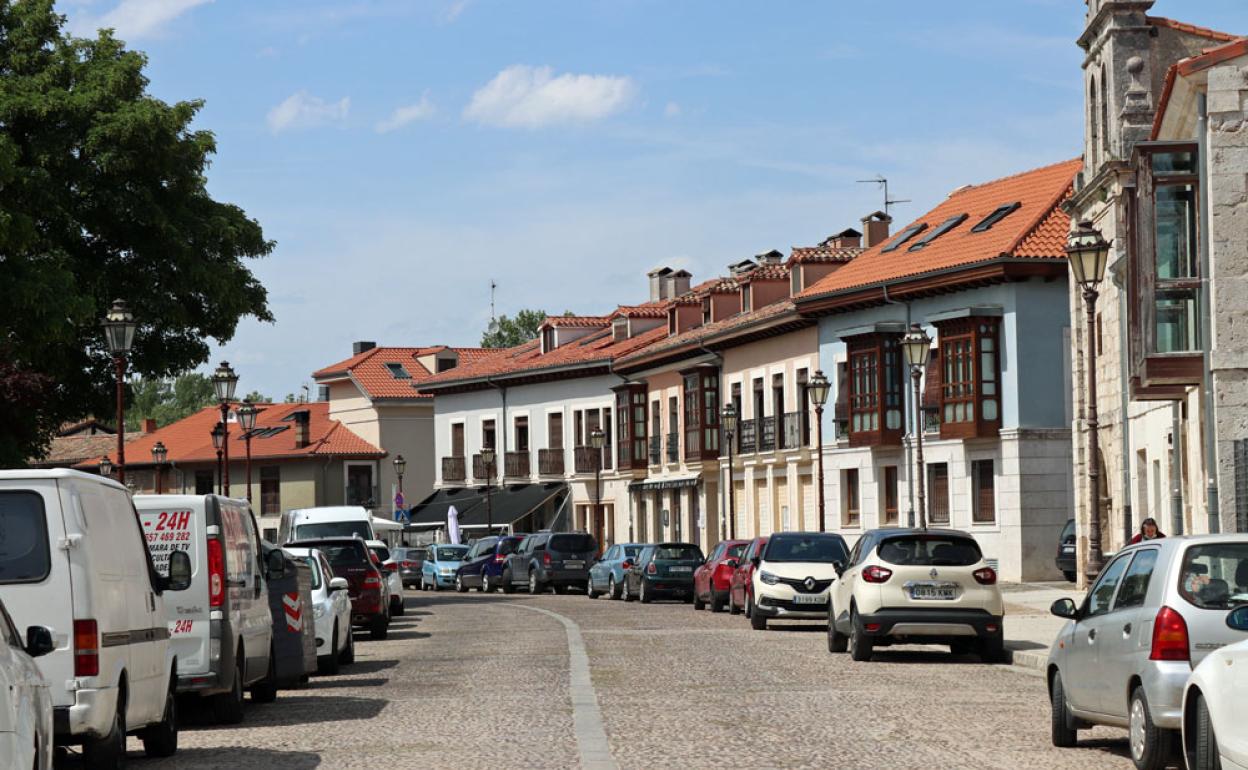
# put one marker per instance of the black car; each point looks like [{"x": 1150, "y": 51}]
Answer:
[
  {"x": 663, "y": 570},
  {"x": 544, "y": 560},
  {"x": 1066, "y": 552},
  {"x": 410, "y": 560}
]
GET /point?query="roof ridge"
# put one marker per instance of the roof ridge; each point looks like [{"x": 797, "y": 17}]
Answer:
[
  {"x": 1191, "y": 29},
  {"x": 1008, "y": 177},
  {"x": 1048, "y": 209}
]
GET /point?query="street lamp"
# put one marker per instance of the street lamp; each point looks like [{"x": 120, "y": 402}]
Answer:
[
  {"x": 917, "y": 346},
  {"x": 247, "y": 412},
  {"x": 729, "y": 419},
  {"x": 818, "y": 388},
  {"x": 224, "y": 380},
  {"x": 487, "y": 459},
  {"x": 119, "y": 328},
  {"x": 218, "y": 440},
  {"x": 159, "y": 455},
  {"x": 597, "y": 440},
  {"x": 106, "y": 466},
  {"x": 1088, "y": 252}
]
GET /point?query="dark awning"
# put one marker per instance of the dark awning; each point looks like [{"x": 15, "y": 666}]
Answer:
[
  {"x": 433, "y": 509},
  {"x": 506, "y": 505},
  {"x": 646, "y": 485}
]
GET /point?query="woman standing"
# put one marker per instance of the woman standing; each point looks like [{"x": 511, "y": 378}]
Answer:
[{"x": 1148, "y": 531}]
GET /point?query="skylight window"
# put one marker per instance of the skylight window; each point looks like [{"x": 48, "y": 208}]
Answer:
[
  {"x": 268, "y": 432},
  {"x": 1001, "y": 213},
  {"x": 903, "y": 236},
  {"x": 398, "y": 372},
  {"x": 940, "y": 230}
]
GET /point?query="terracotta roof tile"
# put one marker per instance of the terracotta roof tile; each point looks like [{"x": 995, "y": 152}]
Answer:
[
  {"x": 823, "y": 253},
  {"x": 766, "y": 273},
  {"x": 374, "y": 371},
  {"x": 576, "y": 321},
  {"x": 1191, "y": 29},
  {"x": 72, "y": 450},
  {"x": 691, "y": 336},
  {"x": 1036, "y": 230},
  {"x": 647, "y": 310}
]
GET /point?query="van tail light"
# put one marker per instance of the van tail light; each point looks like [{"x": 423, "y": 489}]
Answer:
[
  {"x": 876, "y": 574},
  {"x": 216, "y": 573},
  {"x": 651, "y": 569},
  {"x": 86, "y": 648},
  {"x": 545, "y": 559},
  {"x": 1170, "y": 641},
  {"x": 986, "y": 576}
]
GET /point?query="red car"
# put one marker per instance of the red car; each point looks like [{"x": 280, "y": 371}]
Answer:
[
  {"x": 712, "y": 580},
  {"x": 738, "y": 592}
]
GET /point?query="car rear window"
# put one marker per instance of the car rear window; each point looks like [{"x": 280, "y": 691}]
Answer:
[
  {"x": 930, "y": 550},
  {"x": 382, "y": 552},
  {"x": 345, "y": 555},
  {"x": 450, "y": 552},
  {"x": 811, "y": 548},
  {"x": 509, "y": 545},
  {"x": 678, "y": 552},
  {"x": 1068, "y": 532},
  {"x": 571, "y": 543},
  {"x": 24, "y": 553},
  {"x": 1215, "y": 575},
  {"x": 631, "y": 551},
  {"x": 735, "y": 551}
]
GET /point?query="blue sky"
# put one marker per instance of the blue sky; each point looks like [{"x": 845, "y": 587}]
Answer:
[{"x": 404, "y": 153}]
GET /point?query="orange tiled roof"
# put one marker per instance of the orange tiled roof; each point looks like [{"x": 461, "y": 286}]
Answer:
[
  {"x": 1191, "y": 29},
  {"x": 1036, "y": 230},
  {"x": 371, "y": 369},
  {"x": 824, "y": 252},
  {"x": 691, "y": 337},
  {"x": 766, "y": 273},
  {"x": 71, "y": 450},
  {"x": 577, "y": 321}
]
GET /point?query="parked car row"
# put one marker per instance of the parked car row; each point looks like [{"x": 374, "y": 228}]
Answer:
[{"x": 130, "y": 605}]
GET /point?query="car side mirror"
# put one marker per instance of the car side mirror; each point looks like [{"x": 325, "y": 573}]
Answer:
[
  {"x": 839, "y": 566},
  {"x": 179, "y": 571},
  {"x": 39, "y": 641},
  {"x": 275, "y": 565},
  {"x": 732, "y": 563},
  {"x": 337, "y": 584},
  {"x": 1065, "y": 608},
  {"x": 1237, "y": 618},
  {"x": 756, "y": 560}
]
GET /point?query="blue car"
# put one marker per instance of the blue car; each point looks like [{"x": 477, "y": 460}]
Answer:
[
  {"x": 482, "y": 568},
  {"x": 607, "y": 574},
  {"x": 441, "y": 563}
]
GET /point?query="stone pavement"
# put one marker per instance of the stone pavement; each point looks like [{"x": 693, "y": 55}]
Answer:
[{"x": 1029, "y": 626}]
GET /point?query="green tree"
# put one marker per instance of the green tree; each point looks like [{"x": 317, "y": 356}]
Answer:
[
  {"x": 169, "y": 400},
  {"x": 103, "y": 195},
  {"x": 256, "y": 397},
  {"x": 507, "y": 332}
]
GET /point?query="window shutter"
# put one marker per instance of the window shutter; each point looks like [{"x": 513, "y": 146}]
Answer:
[
  {"x": 840, "y": 411},
  {"x": 932, "y": 381}
]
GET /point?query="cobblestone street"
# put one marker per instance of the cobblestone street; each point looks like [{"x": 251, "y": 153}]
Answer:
[{"x": 468, "y": 681}]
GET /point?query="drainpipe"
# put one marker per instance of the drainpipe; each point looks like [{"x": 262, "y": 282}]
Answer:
[
  {"x": 1206, "y": 319},
  {"x": 1128, "y": 523},
  {"x": 1176, "y": 469},
  {"x": 910, "y": 419}
]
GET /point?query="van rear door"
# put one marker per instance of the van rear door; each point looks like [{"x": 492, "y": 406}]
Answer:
[{"x": 176, "y": 523}]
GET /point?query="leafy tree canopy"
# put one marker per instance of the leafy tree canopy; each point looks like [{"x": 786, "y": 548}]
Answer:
[
  {"x": 507, "y": 332},
  {"x": 169, "y": 400},
  {"x": 103, "y": 196}
]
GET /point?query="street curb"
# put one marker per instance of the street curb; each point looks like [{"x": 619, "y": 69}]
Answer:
[{"x": 1032, "y": 660}]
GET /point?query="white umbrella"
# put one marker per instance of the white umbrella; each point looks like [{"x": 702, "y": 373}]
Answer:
[{"x": 452, "y": 525}]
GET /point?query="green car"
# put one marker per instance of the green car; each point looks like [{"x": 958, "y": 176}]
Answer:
[{"x": 663, "y": 570}]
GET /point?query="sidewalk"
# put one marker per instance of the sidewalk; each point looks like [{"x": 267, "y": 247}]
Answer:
[{"x": 1029, "y": 627}]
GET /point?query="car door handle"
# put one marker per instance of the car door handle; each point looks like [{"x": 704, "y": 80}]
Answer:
[
  {"x": 1092, "y": 635},
  {"x": 1126, "y": 630}
]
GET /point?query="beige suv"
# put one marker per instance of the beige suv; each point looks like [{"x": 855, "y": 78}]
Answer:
[{"x": 916, "y": 586}]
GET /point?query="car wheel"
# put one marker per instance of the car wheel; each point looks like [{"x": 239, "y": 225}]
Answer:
[
  {"x": 396, "y": 605},
  {"x": 1204, "y": 752},
  {"x": 745, "y": 600},
  {"x": 109, "y": 751},
  {"x": 561, "y": 589},
  {"x": 347, "y": 657},
  {"x": 161, "y": 739},
  {"x": 733, "y": 609},
  {"x": 589, "y": 590},
  {"x": 861, "y": 648},
  {"x": 758, "y": 622},
  {"x": 265, "y": 691},
  {"x": 379, "y": 628},
  {"x": 459, "y": 585},
  {"x": 485, "y": 584},
  {"x": 1071, "y": 577},
  {"x": 627, "y": 592},
  {"x": 508, "y": 586},
  {"x": 331, "y": 663},
  {"x": 613, "y": 590},
  {"x": 532, "y": 583},
  {"x": 717, "y": 604},
  {"x": 433, "y": 584},
  {"x": 698, "y": 604},
  {"x": 837, "y": 642},
  {"x": 227, "y": 707},
  {"x": 991, "y": 649},
  {"x": 1150, "y": 745},
  {"x": 647, "y": 596},
  {"x": 1064, "y": 735}
]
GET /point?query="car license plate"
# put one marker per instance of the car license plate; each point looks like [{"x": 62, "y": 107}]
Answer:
[
  {"x": 941, "y": 592},
  {"x": 680, "y": 569},
  {"x": 573, "y": 564},
  {"x": 810, "y": 599}
]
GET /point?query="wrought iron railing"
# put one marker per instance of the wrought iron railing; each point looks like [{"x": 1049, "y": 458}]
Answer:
[
  {"x": 585, "y": 459},
  {"x": 767, "y": 434},
  {"x": 747, "y": 438},
  {"x": 656, "y": 449},
  {"x": 673, "y": 447}
]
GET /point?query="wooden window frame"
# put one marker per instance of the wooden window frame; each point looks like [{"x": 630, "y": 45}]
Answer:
[
  {"x": 851, "y": 498},
  {"x": 974, "y": 341},
  {"x": 700, "y": 411},
  {"x": 877, "y": 384},
  {"x": 631, "y": 448},
  {"x": 891, "y": 513},
  {"x": 979, "y": 492},
  {"x": 938, "y": 500}
]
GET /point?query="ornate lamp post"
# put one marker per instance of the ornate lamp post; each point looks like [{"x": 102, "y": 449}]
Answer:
[
  {"x": 729, "y": 419},
  {"x": 119, "y": 327},
  {"x": 106, "y": 466},
  {"x": 917, "y": 346},
  {"x": 487, "y": 459},
  {"x": 224, "y": 380},
  {"x": 159, "y": 455},
  {"x": 1088, "y": 252},
  {"x": 818, "y": 388},
  {"x": 218, "y": 439},
  {"x": 247, "y": 412},
  {"x": 400, "y": 465},
  {"x": 597, "y": 440}
]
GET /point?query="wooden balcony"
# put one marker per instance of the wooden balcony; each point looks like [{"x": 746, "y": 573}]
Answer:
[
  {"x": 550, "y": 462},
  {"x": 454, "y": 469},
  {"x": 478, "y": 468},
  {"x": 516, "y": 465},
  {"x": 586, "y": 459}
]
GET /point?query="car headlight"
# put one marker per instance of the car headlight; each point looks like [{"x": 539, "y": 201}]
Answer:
[
  {"x": 768, "y": 578},
  {"x": 447, "y": 570},
  {"x": 318, "y": 611}
]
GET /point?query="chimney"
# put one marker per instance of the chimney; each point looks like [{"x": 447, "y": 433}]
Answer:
[
  {"x": 848, "y": 238},
  {"x": 658, "y": 283},
  {"x": 362, "y": 346},
  {"x": 678, "y": 283},
  {"x": 876, "y": 225},
  {"x": 302, "y": 428},
  {"x": 148, "y": 425},
  {"x": 772, "y": 257}
]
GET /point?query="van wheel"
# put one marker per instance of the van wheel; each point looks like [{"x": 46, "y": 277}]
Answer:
[
  {"x": 227, "y": 707},
  {"x": 329, "y": 665},
  {"x": 265, "y": 691},
  {"x": 508, "y": 586},
  {"x": 161, "y": 740},
  {"x": 109, "y": 752},
  {"x": 378, "y": 629},
  {"x": 1150, "y": 744},
  {"x": 347, "y": 656},
  {"x": 1064, "y": 736}
]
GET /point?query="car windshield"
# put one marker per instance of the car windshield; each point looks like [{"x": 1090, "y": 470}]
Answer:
[
  {"x": 809, "y": 548},
  {"x": 677, "y": 552},
  {"x": 332, "y": 529},
  {"x": 1215, "y": 575},
  {"x": 449, "y": 552},
  {"x": 345, "y": 555},
  {"x": 312, "y": 562},
  {"x": 930, "y": 551},
  {"x": 24, "y": 553},
  {"x": 571, "y": 543}
]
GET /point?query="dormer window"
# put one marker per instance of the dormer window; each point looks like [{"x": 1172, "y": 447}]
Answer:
[
  {"x": 548, "y": 339},
  {"x": 398, "y": 372},
  {"x": 619, "y": 329},
  {"x": 745, "y": 298}
]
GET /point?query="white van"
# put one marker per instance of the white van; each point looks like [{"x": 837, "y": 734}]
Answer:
[
  {"x": 73, "y": 559},
  {"x": 326, "y": 521},
  {"x": 221, "y": 627}
]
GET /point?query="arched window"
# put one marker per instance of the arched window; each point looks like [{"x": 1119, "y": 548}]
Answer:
[
  {"x": 1105, "y": 152},
  {"x": 1094, "y": 139}
]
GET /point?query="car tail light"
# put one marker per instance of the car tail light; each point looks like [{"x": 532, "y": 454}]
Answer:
[
  {"x": 409, "y": 565},
  {"x": 391, "y": 567},
  {"x": 372, "y": 581},
  {"x": 374, "y": 558},
  {"x": 1170, "y": 640},
  {"x": 986, "y": 576},
  {"x": 626, "y": 565},
  {"x": 545, "y": 559},
  {"x": 651, "y": 569},
  {"x": 876, "y": 574},
  {"x": 86, "y": 648},
  {"x": 499, "y": 558},
  {"x": 216, "y": 573}
]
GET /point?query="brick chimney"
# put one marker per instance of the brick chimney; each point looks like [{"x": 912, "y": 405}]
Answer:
[
  {"x": 303, "y": 428},
  {"x": 678, "y": 283},
  {"x": 876, "y": 225},
  {"x": 659, "y": 287},
  {"x": 848, "y": 238},
  {"x": 363, "y": 346},
  {"x": 148, "y": 425}
]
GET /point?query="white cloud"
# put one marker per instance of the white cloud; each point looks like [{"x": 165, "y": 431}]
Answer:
[
  {"x": 135, "y": 19},
  {"x": 301, "y": 110},
  {"x": 531, "y": 97},
  {"x": 455, "y": 9},
  {"x": 672, "y": 110},
  {"x": 422, "y": 110}
]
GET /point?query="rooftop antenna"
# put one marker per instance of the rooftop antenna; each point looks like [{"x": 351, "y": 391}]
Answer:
[
  {"x": 303, "y": 399},
  {"x": 493, "y": 286},
  {"x": 882, "y": 182}
]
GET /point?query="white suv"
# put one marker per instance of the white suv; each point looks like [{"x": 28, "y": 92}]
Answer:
[
  {"x": 916, "y": 586},
  {"x": 792, "y": 576}
]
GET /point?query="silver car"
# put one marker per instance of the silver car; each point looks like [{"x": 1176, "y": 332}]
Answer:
[{"x": 1155, "y": 611}]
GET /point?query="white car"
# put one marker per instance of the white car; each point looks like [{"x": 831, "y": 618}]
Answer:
[
  {"x": 331, "y": 607},
  {"x": 917, "y": 586},
  {"x": 792, "y": 577},
  {"x": 26, "y": 737},
  {"x": 390, "y": 568},
  {"x": 1215, "y": 705}
]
